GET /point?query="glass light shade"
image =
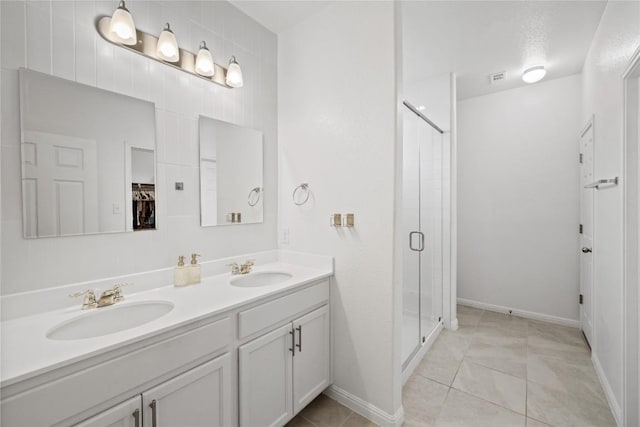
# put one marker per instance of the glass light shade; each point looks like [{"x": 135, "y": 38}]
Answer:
[
  {"x": 204, "y": 61},
  {"x": 534, "y": 74},
  {"x": 167, "y": 48},
  {"x": 234, "y": 73},
  {"x": 122, "y": 28}
]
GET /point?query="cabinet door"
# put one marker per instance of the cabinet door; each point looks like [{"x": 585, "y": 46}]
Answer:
[
  {"x": 312, "y": 359},
  {"x": 126, "y": 414},
  {"x": 199, "y": 397},
  {"x": 266, "y": 397}
]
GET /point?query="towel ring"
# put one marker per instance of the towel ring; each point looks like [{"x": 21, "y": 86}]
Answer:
[
  {"x": 304, "y": 187},
  {"x": 256, "y": 190}
]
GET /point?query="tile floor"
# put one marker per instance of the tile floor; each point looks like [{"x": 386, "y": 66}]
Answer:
[{"x": 495, "y": 370}]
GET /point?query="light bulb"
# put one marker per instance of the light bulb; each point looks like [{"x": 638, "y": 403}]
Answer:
[
  {"x": 534, "y": 74},
  {"x": 167, "y": 48},
  {"x": 204, "y": 61},
  {"x": 234, "y": 73},
  {"x": 122, "y": 28}
]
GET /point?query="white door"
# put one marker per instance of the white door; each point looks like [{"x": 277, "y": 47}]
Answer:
[
  {"x": 60, "y": 183},
  {"x": 199, "y": 397},
  {"x": 266, "y": 383},
  {"x": 586, "y": 235},
  {"x": 311, "y": 360},
  {"x": 126, "y": 414}
]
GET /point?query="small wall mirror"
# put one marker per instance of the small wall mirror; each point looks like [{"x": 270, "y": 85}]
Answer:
[
  {"x": 88, "y": 159},
  {"x": 231, "y": 190}
]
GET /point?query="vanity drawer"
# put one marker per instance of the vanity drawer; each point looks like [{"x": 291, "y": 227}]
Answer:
[
  {"x": 55, "y": 401},
  {"x": 271, "y": 313}
]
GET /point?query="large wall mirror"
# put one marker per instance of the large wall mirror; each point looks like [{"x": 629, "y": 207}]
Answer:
[
  {"x": 88, "y": 159},
  {"x": 231, "y": 189}
]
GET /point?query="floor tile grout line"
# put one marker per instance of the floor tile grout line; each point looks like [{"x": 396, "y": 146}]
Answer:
[{"x": 489, "y": 402}]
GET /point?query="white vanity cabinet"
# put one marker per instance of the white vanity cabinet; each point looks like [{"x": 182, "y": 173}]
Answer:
[
  {"x": 255, "y": 365},
  {"x": 199, "y": 397},
  {"x": 126, "y": 414},
  {"x": 283, "y": 370}
]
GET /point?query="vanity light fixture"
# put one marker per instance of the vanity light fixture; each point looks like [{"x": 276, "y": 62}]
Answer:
[
  {"x": 534, "y": 74},
  {"x": 167, "y": 48},
  {"x": 234, "y": 73},
  {"x": 204, "y": 61},
  {"x": 164, "y": 48},
  {"x": 122, "y": 28}
]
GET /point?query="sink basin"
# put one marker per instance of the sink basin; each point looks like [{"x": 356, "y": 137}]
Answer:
[
  {"x": 108, "y": 320},
  {"x": 253, "y": 280}
]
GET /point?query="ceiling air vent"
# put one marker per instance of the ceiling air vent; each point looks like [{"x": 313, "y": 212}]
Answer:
[{"x": 497, "y": 77}]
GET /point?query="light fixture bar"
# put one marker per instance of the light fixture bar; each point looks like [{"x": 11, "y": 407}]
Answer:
[{"x": 146, "y": 46}]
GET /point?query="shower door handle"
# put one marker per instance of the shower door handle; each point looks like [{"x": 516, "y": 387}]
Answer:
[{"x": 421, "y": 247}]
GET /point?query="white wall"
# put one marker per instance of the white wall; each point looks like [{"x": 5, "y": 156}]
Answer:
[
  {"x": 518, "y": 198},
  {"x": 617, "y": 38},
  {"x": 336, "y": 114},
  {"x": 59, "y": 38}
]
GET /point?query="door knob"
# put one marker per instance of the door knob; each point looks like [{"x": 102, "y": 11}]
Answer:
[{"x": 586, "y": 250}]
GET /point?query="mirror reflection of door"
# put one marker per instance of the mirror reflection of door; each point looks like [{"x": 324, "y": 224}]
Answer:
[{"x": 59, "y": 184}]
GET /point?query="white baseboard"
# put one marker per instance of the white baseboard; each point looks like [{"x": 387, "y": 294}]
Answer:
[
  {"x": 522, "y": 313},
  {"x": 616, "y": 410},
  {"x": 408, "y": 370},
  {"x": 454, "y": 324},
  {"x": 366, "y": 409}
]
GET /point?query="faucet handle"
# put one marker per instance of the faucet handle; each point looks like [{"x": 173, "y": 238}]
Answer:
[
  {"x": 117, "y": 289},
  {"x": 250, "y": 262},
  {"x": 89, "y": 298}
]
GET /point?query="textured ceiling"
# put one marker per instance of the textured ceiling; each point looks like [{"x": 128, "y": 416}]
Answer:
[{"x": 477, "y": 38}]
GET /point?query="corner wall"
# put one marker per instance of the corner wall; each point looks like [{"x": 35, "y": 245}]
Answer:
[
  {"x": 336, "y": 131},
  {"x": 518, "y": 199}
]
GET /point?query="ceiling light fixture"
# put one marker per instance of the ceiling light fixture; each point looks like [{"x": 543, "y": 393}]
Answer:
[
  {"x": 534, "y": 74},
  {"x": 122, "y": 28},
  {"x": 204, "y": 61},
  {"x": 234, "y": 73},
  {"x": 167, "y": 48}
]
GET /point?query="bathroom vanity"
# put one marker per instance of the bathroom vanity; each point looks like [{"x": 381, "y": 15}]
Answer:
[{"x": 248, "y": 350}]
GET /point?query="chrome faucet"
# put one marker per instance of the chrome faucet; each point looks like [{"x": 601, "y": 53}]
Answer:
[
  {"x": 107, "y": 298},
  {"x": 241, "y": 269}
]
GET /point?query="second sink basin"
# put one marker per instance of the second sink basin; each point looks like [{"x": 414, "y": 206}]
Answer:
[
  {"x": 253, "y": 280},
  {"x": 104, "y": 321}
]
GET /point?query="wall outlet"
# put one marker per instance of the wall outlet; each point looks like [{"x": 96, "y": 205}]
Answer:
[{"x": 284, "y": 238}]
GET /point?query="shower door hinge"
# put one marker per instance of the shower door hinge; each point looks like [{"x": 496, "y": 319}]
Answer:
[
  {"x": 581, "y": 227},
  {"x": 581, "y": 299},
  {"x": 581, "y": 158}
]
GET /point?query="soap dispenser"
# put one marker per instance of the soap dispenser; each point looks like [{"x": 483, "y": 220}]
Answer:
[
  {"x": 181, "y": 273},
  {"x": 194, "y": 270}
]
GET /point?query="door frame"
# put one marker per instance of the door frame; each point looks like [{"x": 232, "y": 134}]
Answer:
[{"x": 631, "y": 225}]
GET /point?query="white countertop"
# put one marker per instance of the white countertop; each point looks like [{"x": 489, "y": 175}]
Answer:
[{"x": 27, "y": 352}]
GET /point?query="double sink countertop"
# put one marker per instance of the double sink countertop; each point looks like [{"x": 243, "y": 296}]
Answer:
[{"x": 27, "y": 351}]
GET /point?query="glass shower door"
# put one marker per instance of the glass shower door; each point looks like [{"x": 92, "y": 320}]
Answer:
[
  {"x": 411, "y": 238},
  {"x": 422, "y": 233}
]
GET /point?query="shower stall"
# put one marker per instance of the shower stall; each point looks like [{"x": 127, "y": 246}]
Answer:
[{"x": 422, "y": 228}]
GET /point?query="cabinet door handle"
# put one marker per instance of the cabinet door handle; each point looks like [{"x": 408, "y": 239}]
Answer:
[
  {"x": 293, "y": 345},
  {"x": 136, "y": 418},
  {"x": 154, "y": 413},
  {"x": 299, "y": 345}
]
